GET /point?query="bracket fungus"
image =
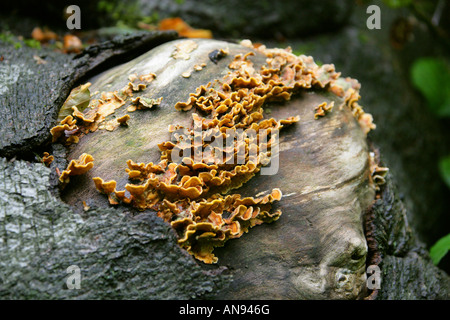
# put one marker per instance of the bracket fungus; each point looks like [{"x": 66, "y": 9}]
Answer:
[
  {"x": 77, "y": 167},
  {"x": 212, "y": 163},
  {"x": 47, "y": 159},
  {"x": 322, "y": 109}
]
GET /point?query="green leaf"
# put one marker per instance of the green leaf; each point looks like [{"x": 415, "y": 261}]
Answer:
[
  {"x": 440, "y": 249},
  {"x": 431, "y": 77},
  {"x": 79, "y": 97},
  {"x": 444, "y": 169}
]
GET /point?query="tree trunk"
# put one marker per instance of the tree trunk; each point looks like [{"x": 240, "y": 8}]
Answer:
[{"x": 316, "y": 249}]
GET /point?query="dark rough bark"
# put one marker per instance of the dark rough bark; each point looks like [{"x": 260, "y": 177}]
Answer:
[
  {"x": 120, "y": 256},
  {"x": 413, "y": 277},
  {"x": 31, "y": 93},
  {"x": 407, "y": 271}
]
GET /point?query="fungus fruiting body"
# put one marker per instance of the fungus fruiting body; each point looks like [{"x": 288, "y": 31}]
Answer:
[
  {"x": 183, "y": 49},
  {"x": 377, "y": 172},
  {"x": 323, "y": 109},
  {"x": 47, "y": 159},
  {"x": 77, "y": 167}
]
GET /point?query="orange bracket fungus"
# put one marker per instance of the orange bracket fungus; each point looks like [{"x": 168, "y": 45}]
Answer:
[
  {"x": 77, "y": 167},
  {"x": 377, "y": 173},
  {"x": 323, "y": 109},
  {"x": 47, "y": 159}
]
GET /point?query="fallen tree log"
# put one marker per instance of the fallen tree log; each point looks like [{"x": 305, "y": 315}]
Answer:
[{"x": 315, "y": 249}]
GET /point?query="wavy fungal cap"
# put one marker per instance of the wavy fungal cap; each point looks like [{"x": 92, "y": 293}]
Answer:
[
  {"x": 194, "y": 196},
  {"x": 77, "y": 167}
]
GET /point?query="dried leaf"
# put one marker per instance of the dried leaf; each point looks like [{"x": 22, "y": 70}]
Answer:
[
  {"x": 43, "y": 35},
  {"x": 79, "y": 97},
  {"x": 72, "y": 44},
  {"x": 183, "y": 29}
]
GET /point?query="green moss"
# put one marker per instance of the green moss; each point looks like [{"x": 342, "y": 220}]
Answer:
[
  {"x": 302, "y": 49},
  {"x": 32, "y": 43},
  {"x": 119, "y": 12},
  {"x": 8, "y": 37},
  {"x": 154, "y": 18}
]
